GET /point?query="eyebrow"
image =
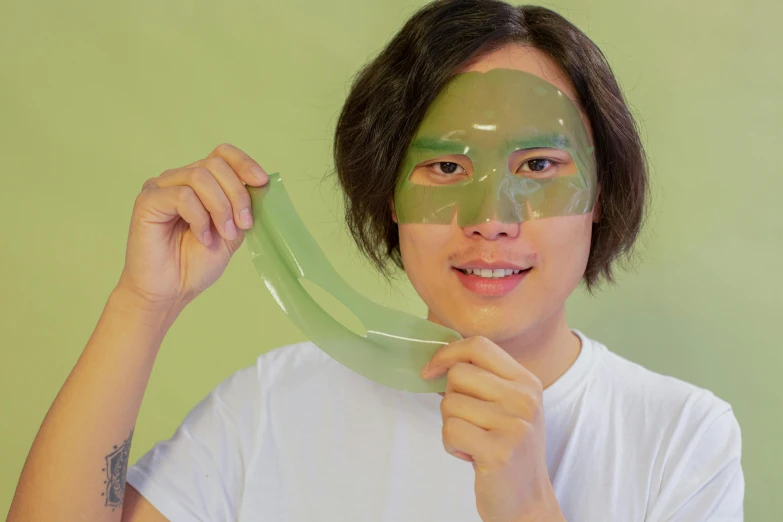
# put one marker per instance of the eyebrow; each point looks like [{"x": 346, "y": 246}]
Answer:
[
  {"x": 551, "y": 140},
  {"x": 439, "y": 145},
  {"x": 545, "y": 140}
]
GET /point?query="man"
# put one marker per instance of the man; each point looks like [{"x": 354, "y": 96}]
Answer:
[{"x": 538, "y": 422}]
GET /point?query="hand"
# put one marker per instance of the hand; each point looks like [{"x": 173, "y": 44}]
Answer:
[
  {"x": 493, "y": 417},
  {"x": 186, "y": 225}
]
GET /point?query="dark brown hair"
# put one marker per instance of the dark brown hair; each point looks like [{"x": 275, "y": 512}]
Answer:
[{"x": 390, "y": 95}]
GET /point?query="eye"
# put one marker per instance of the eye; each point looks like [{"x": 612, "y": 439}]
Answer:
[
  {"x": 447, "y": 168},
  {"x": 442, "y": 170},
  {"x": 537, "y": 165}
]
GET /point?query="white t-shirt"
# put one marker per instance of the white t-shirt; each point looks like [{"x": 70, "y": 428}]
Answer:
[{"x": 300, "y": 438}]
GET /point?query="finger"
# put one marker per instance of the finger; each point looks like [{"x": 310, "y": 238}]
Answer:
[
  {"x": 484, "y": 414},
  {"x": 469, "y": 379},
  {"x": 461, "y": 436},
  {"x": 176, "y": 202},
  {"x": 246, "y": 167},
  {"x": 209, "y": 192},
  {"x": 233, "y": 187},
  {"x": 515, "y": 398},
  {"x": 478, "y": 351}
]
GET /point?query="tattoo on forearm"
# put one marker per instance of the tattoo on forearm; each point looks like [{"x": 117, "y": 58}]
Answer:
[{"x": 116, "y": 469}]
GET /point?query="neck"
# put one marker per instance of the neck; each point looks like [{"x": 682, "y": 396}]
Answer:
[{"x": 547, "y": 349}]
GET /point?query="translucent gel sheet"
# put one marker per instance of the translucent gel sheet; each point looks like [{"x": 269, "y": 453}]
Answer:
[{"x": 397, "y": 345}]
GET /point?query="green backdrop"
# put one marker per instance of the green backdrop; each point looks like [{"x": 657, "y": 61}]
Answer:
[{"x": 96, "y": 97}]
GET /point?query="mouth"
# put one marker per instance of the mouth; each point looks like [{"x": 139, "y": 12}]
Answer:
[
  {"x": 491, "y": 281},
  {"x": 490, "y": 273}
]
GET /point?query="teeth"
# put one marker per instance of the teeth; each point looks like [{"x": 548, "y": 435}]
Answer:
[{"x": 490, "y": 274}]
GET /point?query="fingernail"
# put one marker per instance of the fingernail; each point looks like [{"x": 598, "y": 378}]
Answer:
[
  {"x": 259, "y": 174},
  {"x": 246, "y": 218},
  {"x": 230, "y": 229},
  {"x": 426, "y": 370},
  {"x": 207, "y": 237}
]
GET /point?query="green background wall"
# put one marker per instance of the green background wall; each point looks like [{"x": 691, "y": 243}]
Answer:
[{"x": 96, "y": 97}]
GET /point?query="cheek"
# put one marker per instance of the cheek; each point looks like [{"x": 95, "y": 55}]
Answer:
[
  {"x": 564, "y": 246},
  {"x": 423, "y": 247}
]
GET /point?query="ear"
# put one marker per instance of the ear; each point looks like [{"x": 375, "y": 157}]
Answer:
[
  {"x": 597, "y": 206},
  {"x": 394, "y": 211}
]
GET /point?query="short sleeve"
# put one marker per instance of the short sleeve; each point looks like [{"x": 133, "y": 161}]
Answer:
[
  {"x": 198, "y": 474},
  {"x": 705, "y": 482}
]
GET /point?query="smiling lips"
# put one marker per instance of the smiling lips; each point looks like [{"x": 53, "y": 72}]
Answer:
[
  {"x": 489, "y": 273},
  {"x": 493, "y": 279}
]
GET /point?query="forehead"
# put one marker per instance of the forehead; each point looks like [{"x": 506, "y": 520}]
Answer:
[
  {"x": 531, "y": 60},
  {"x": 498, "y": 104},
  {"x": 526, "y": 59}
]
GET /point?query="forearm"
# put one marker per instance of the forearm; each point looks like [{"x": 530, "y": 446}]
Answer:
[{"x": 76, "y": 467}]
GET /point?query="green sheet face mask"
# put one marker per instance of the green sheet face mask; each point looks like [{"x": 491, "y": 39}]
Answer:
[
  {"x": 492, "y": 119},
  {"x": 396, "y": 345}
]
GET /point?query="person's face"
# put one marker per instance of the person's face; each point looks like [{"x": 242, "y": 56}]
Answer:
[{"x": 552, "y": 252}]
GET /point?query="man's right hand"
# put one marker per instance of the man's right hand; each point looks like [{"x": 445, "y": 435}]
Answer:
[{"x": 186, "y": 225}]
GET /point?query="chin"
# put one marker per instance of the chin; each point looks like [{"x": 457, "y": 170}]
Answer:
[{"x": 494, "y": 324}]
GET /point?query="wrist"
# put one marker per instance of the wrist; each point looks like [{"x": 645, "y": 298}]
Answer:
[
  {"x": 159, "y": 315},
  {"x": 547, "y": 510}
]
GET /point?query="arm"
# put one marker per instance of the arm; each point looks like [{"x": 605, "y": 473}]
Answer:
[
  {"x": 78, "y": 460},
  {"x": 186, "y": 225}
]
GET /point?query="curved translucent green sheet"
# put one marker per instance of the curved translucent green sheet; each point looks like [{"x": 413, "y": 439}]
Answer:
[{"x": 397, "y": 346}]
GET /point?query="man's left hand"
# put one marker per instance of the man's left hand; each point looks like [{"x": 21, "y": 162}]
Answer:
[{"x": 493, "y": 417}]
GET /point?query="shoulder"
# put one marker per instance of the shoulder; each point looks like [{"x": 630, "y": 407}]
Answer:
[
  {"x": 682, "y": 437},
  {"x": 297, "y": 362},
  {"x": 203, "y": 468},
  {"x": 640, "y": 388},
  {"x": 685, "y": 423},
  {"x": 244, "y": 393},
  {"x": 278, "y": 364},
  {"x": 297, "y": 357},
  {"x": 300, "y": 368}
]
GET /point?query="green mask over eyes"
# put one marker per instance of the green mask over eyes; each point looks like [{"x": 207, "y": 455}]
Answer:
[{"x": 492, "y": 121}]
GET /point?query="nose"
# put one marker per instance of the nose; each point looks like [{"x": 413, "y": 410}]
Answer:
[{"x": 493, "y": 230}]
